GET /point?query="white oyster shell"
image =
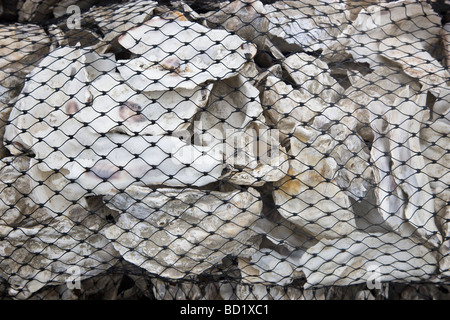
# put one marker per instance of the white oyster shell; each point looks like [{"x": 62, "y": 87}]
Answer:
[
  {"x": 287, "y": 108},
  {"x": 248, "y": 19},
  {"x": 234, "y": 120},
  {"x": 266, "y": 266},
  {"x": 415, "y": 61},
  {"x": 176, "y": 53},
  {"x": 22, "y": 46},
  {"x": 79, "y": 151},
  {"x": 434, "y": 141},
  {"x": 118, "y": 107},
  {"x": 403, "y": 190}
]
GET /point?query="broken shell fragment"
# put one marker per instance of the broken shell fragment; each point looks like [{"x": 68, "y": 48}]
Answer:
[
  {"x": 111, "y": 164},
  {"x": 14, "y": 207},
  {"x": 381, "y": 84},
  {"x": 177, "y": 233},
  {"x": 23, "y": 45},
  {"x": 41, "y": 248},
  {"x": 174, "y": 53},
  {"x": 233, "y": 104},
  {"x": 255, "y": 156},
  {"x": 36, "y": 256},
  {"x": 434, "y": 141},
  {"x": 234, "y": 120},
  {"x": 446, "y": 40},
  {"x": 342, "y": 121},
  {"x": 58, "y": 78},
  {"x": 186, "y": 289}
]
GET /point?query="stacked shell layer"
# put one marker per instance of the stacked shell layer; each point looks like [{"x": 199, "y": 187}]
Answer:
[{"x": 260, "y": 145}]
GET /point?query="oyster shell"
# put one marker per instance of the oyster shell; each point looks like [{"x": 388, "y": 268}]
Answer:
[
  {"x": 266, "y": 266},
  {"x": 313, "y": 77},
  {"x": 37, "y": 245},
  {"x": 311, "y": 25},
  {"x": 234, "y": 120},
  {"x": 360, "y": 257},
  {"x": 286, "y": 108},
  {"x": 415, "y": 61},
  {"x": 309, "y": 195},
  {"x": 446, "y": 40},
  {"x": 22, "y": 46},
  {"x": 176, "y": 53},
  {"x": 83, "y": 150},
  {"x": 246, "y": 18},
  {"x": 363, "y": 37},
  {"x": 33, "y": 257},
  {"x": 434, "y": 141},
  {"x": 115, "y": 19},
  {"x": 122, "y": 109},
  {"x": 233, "y": 104},
  {"x": 380, "y": 84},
  {"x": 50, "y": 86},
  {"x": 177, "y": 233},
  {"x": 403, "y": 190}
]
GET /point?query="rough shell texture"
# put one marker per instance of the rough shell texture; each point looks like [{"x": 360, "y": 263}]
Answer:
[
  {"x": 374, "y": 24},
  {"x": 313, "y": 77},
  {"x": 362, "y": 257},
  {"x": 39, "y": 246},
  {"x": 382, "y": 84},
  {"x": 234, "y": 120},
  {"x": 247, "y": 18},
  {"x": 175, "y": 233},
  {"x": 415, "y": 61},
  {"x": 58, "y": 78},
  {"x": 434, "y": 141},
  {"x": 114, "y": 20},
  {"x": 286, "y": 107},
  {"x": 355, "y": 186},
  {"x": 266, "y": 266},
  {"x": 22, "y": 46},
  {"x": 308, "y": 24}
]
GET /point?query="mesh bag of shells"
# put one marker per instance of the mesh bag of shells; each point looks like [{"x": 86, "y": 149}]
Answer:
[{"x": 217, "y": 150}]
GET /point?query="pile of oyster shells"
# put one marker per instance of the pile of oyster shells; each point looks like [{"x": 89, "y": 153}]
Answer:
[{"x": 129, "y": 152}]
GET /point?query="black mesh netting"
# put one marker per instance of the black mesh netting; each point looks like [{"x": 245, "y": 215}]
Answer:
[{"x": 224, "y": 149}]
